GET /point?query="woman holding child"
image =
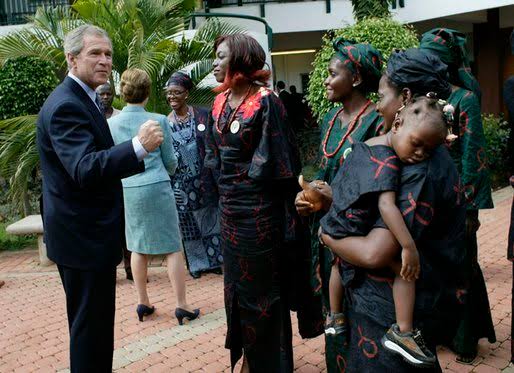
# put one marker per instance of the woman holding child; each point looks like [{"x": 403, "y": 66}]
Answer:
[{"x": 428, "y": 202}]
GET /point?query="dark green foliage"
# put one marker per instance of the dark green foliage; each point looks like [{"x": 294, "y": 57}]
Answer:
[
  {"x": 370, "y": 8},
  {"x": 25, "y": 83},
  {"x": 308, "y": 144},
  {"x": 10, "y": 242},
  {"x": 497, "y": 131}
]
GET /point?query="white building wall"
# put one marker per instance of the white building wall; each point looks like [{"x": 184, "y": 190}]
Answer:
[
  {"x": 289, "y": 68},
  {"x": 312, "y": 15},
  {"x": 4, "y": 30},
  {"x": 421, "y": 10}
]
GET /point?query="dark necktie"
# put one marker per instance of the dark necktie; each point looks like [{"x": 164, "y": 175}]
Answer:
[{"x": 99, "y": 104}]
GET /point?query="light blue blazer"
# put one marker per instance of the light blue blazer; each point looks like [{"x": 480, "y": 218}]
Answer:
[{"x": 160, "y": 163}]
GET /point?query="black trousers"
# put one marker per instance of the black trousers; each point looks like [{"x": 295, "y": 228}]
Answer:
[{"x": 90, "y": 304}]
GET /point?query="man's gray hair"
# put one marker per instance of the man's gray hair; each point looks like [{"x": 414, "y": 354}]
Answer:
[{"x": 74, "y": 40}]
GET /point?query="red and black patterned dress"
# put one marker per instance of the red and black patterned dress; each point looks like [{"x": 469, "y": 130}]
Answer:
[
  {"x": 434, "y": 211},
  {"x": 258, "y": 163}
]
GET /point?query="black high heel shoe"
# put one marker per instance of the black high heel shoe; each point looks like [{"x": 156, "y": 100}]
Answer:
[
  {"x": 182, "y": 314},
  {"x": 143, "y": 310}
]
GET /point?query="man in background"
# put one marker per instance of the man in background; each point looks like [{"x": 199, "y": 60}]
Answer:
[
  {"x": 284, "y": 95},
  {"x": 297, "y": 108},
  {"x": 106, "y": 93}
]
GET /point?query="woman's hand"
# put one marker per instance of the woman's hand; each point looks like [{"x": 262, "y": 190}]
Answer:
[
  {"x": 315, "y": 196},
  {"x": 304, "y": 207},
  {"x": 410, "y": 265},
  {"x": 326, "y": 192}
]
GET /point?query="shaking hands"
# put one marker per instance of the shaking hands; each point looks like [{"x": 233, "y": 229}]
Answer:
[{"x": 150, "y": 135}]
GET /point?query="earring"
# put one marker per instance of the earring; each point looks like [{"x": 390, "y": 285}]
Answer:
[{"x": 356, "y": 84}]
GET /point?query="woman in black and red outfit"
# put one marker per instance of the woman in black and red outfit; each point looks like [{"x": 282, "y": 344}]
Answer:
[{"x": 251, "y": 144}]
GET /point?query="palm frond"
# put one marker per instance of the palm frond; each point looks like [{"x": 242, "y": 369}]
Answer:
[
  {"x": 203, "y": 96},
  {"x": 214, "y": 27},
  {"x": 18, "y": 154},
  {"x": 200, "y": 70}
]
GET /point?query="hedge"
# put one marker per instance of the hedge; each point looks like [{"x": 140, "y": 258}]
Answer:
[
  {"x": 25, "y": 83},
  {"x": 384, "y": 34}
]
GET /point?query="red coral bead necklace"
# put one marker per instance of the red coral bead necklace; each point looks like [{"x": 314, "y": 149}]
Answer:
[{"x": 349, "y": 130}]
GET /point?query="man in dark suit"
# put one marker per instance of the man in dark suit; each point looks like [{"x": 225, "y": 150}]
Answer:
[
  {"x": 82, "y": 194},
  {"x": 297, "y": 108},
  {"x": 283, "y": 94}
]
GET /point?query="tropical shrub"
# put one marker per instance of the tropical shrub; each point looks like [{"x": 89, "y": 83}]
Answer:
[
  {"x": 497, "y": 132},
  {"x": 25, "y": 83},
  {"x": 385, "y": 34},
  {"x": 370, "y": 8}
]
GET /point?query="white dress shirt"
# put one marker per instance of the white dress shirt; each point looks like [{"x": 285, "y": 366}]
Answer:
[{"x": 140, "y": 151}]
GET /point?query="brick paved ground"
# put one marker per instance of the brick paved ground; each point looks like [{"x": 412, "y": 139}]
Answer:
[{"x": 34, "y": 336}]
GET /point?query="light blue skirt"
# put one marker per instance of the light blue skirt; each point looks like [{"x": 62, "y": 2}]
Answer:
[{"x": 151, "y": 219}]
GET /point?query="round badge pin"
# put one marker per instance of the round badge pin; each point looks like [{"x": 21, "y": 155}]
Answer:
[
  {"x": 201, "y": 127},
  {"x": 235, "y": 126},
  {"x": 346, "y": 152}
]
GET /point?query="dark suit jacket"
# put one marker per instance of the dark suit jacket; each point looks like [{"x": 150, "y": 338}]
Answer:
[
  {"x": 82, "y": 172},
  {"x": 286, "y": 98}
]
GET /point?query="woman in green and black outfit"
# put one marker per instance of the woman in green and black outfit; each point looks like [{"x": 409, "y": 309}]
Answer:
[
  {"x": 353, "y": 72},
  {"x": 468, "y": 153}
]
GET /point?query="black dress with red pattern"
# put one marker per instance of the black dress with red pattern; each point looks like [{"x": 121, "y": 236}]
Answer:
[
  {"x": 258, "y": 162},
  {"x": 366, "y": 172},
  {"x": 434, "y": 211}
]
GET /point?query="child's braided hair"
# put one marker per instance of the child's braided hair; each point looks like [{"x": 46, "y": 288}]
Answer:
[{"x": 430, "y": 105}]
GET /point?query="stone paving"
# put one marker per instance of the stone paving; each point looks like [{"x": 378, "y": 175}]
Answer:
[{"x": 34, "y": 335}]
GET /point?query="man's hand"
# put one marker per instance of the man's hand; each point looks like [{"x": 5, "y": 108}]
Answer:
[{"x": 150, "y": 135}]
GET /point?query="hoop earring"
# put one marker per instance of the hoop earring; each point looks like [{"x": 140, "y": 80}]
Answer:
[{"x": 398, "y": 112}]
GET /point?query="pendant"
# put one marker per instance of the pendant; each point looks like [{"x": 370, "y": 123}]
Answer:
[
  {"x": 235, "y": 126},
  {"x": 201, "y": 127}
]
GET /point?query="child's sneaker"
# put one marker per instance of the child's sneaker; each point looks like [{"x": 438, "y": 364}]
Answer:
[
  {"x": 409, "y": 345},
  {"x": 336, "y": 324}
]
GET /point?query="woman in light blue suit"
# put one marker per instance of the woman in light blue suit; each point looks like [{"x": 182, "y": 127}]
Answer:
[{"x": 151, "y": 219}]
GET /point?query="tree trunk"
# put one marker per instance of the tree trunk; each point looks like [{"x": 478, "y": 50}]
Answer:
[{"x": 26, "y": 204}]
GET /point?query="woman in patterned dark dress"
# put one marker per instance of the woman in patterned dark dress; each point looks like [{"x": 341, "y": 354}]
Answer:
[
  {"x": 429, "y": 200},
  {"x": 353, "y": 72},
  {"x": 468, "y": 153},
  {"x": 195, "y": 188},
  {"x": 250, "y": 142}
]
